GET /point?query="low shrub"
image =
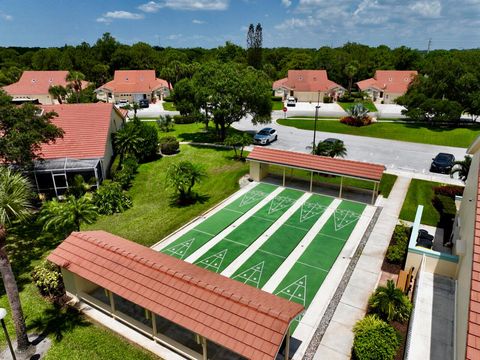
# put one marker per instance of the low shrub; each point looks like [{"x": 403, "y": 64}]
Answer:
[
  {"x": 49, "y": 281},
  {"x": 168, "y": 99},
  {"x": 169, "y": 145},
  {"x": 349, "y": 120},
  {"x": 125, "y": 175},
  {"x": 165, "y": 123},
  {"x": 374, "y": 339},
  {"x": 185, "y": 119},
  {"x": 327, "y": 100},
  {"x": 277, "y": 98},
  {"x": 346, "y": 98},
  {"x": 110, "y": 198},
  {"x": 397, "y": 251},
  {"x": 448, "y": 190}
]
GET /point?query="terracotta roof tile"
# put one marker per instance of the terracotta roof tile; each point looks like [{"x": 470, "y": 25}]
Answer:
[
  {"x": 306, "y": 80},
  {"x": 350, "y": 168},
  {"x": 393, "y": 81},
  {"x": 197, "y": 299},
  {"x": 86, "y": 127},
  {"x": 134, "y": 81},
  {"x": 38, "y": 82}
]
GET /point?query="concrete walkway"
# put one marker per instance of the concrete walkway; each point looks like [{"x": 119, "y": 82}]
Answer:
[{"x": 336, "y": 343}]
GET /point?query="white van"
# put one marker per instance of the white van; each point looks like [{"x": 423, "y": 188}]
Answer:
[{"x": 291, "y": 101}]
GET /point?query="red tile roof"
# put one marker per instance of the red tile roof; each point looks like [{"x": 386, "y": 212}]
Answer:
[
  {"x": 350, "y": 168},
  {"x": 306, "y": 80},
  {"x": 134, "y": 81},
  {"x": 473, "y": 331},
  {"x": 393, "y": 81},
  {"x": 242, "y": 318},
  {"x": 86, "y": 128},
  {"x": 38, "y": 82}
]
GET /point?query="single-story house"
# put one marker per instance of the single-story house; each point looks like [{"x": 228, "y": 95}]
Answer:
[
  {"x": 33, "y": 86},
  {"x": 387, "y": 85},
  {"x": 86, "y": 147},
  {"x": 307, "y": 85},
  {"x": 132, "y": 86}
]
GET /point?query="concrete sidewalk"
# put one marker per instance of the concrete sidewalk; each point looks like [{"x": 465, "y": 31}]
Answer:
[{"x": 337, "y": 340}]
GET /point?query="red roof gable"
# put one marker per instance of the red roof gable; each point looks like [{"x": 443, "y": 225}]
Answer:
[
  {"x": 38, "y": 82},
  {"x": 473, "y": 331},
  {"x": 242, "y": 318},
  {"x": 350, "y": 168},
  {"x": 86, "y": 128},
  {"x": 134, "y": 81},
  {"x": 394, "y": 81},
  {"x": 306, "y": 80}
]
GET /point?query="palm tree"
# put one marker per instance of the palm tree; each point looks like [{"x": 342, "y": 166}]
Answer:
[
  {"x": 75, "y": 78},
  {"x": 183, "y": 176},
  {"x": 15, "y": 191},
  {"x": 67, "y": 216},
  {"x": 331, "y": 149},
  {"x": 58, "y": 92},
  {"x": 390, "y": 303},
  {"x": 351, "y": 70},
  {"x": 462, "y": 167},
  {"x": 127, "y": 141}
]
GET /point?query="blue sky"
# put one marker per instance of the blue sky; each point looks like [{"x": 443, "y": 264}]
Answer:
[{"x": 209, "y": 23}]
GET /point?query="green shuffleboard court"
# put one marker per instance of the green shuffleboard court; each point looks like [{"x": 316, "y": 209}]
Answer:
[
  {"x": 306, "y": 276},
  {"x": 228, "y": 249},
  {"x": 267, "y": 259},
  {"x": 188, "y": 243}
]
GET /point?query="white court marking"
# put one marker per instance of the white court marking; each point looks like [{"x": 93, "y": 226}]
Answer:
[
  {"x": 280, "y": 203},
  {"x": 296, "y": 290},
  {"x": 213, "y": 262},
  {"x": 310, "y": 210},
  {"x": 252, "y": 196},
  {"x": 252, "y": 275},
  {"x": 343, "y": 218},
  {"x": 181, "y": 249}
]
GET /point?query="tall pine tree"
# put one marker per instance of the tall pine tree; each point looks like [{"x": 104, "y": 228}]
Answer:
[{"x": 254, "y": 46}]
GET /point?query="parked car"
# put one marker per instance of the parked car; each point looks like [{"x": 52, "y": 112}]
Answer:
[
  {"x": 143, "y": 103},
  {"x": 291, "y": 101},
  {"x": 442, "y": 163},
  {"x": 122, "y": 103},
  {"x": 265, "y": 136}
]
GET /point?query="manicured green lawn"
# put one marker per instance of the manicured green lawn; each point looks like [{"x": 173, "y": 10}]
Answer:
[
  {"x": 420, "y": 192},
  {"x": 277, "y": 105},
  {"x": 459, "y": 137},
  {"x": 152, "y": 216},
  {"x": 368, "y": 104},
  {"x": 169, "y": 106}
]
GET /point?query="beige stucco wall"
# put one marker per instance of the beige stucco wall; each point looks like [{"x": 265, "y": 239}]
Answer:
[
  {"x": 258, "y": 170},
  {"x": 464, "y": 233},
  {"x": 304, "y": 96},
  {"x": 45, "y": 99},
  {"x": 432, "y": 265},
  {"x": 389, "y": 98},
  {"x": 116, "y": 123}
]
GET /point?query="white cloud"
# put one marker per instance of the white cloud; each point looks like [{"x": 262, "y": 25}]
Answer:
[
  {"x": 119, "y": 14},
  {"x": 427, "y": 8},
  {"x": 198, "y": 22},
  {"x": 150, "y": 7},
  {"x": 153, "y": 6},
  {"x": 6, "y": 17},
  {"x": 286, "y": 3}
]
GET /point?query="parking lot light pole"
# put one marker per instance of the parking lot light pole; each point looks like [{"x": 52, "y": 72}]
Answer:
[{"x": 3, "y": 313}]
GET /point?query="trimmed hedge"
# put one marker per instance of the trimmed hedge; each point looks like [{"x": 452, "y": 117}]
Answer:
[
  {"x": 374, "y": 339},
  {"x": 169, "y": 145},
  {"x": 448, "y": 190},
  {"x": 49, "y": 281},
  {"x": 277, "y": 98},
  {"x": 168, "y": 98},
  {"x": 185, "y": 119},
  {"x": 110, "y": 198},
  {"x": 397, "y": 251}
]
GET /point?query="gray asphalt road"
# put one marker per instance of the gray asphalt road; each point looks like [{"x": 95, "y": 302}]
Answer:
[{"x": 395, "y": 155}]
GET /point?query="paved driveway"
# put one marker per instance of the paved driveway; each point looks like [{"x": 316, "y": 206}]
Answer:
[{"x": 395, "y": 155}]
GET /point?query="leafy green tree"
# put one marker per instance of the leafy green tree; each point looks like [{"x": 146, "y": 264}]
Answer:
[
  {"x": 15, "y": 196},
  {"x": 182, "y": 177},
  {"x": 331, "y": 149},
  {"x": 24, "y": 130},
  {"x": 110, "y": 198},
  {"x": 238, "y": 142},
  {"x": 58, "y": 92},
  {"x": 462, "y": 168},
  {"x": 390, "y": 303},
  {"x": 67, "y": 216}
]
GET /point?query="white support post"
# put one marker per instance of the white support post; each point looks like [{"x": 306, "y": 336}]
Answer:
[
  {"x": 154, "y": 324},
  {"x": 284, "y": 169},
  {"x": 341, "y": 187},
  {"x": 311, "y": 181},
  {"x": 373, "y": 192},
  {"x": 204, "y": 348},
  {"x": 287, "y": 345},
  {"x": 112, "y": 302}
]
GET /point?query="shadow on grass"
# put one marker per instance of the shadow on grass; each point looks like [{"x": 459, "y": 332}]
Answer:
[
  {"x": 175, "y": 201},
  {"x": 57, "y": 321}
]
